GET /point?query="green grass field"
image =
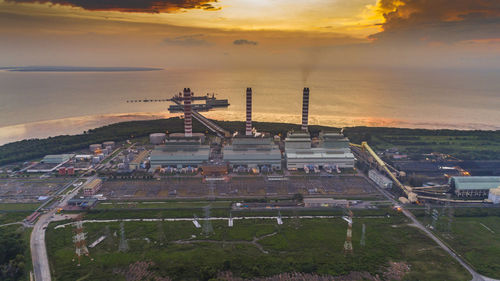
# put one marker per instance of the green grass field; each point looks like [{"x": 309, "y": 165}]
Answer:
[
  {"x": 19, "y": 206},
  {"x": 14, "y": 216},
  {"x": 183, "y": 252},
  {"x": 477, "y": 239}
]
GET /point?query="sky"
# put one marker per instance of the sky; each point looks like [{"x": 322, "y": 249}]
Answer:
[{"x": 301, "y": 34}]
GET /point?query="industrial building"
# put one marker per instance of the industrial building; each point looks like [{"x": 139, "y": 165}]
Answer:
[
  {"x": 157, "y": 138},
  {"x": 253, "y": 150},
  {"x": 138, "y": 160},
  {"x": 57, "y": 159},
  {"x": 179, "y": 155},
  {"x": 50, "y": 163},
  {"x": 325, "y": 202},
  {"x": 473, "y": 186},
  {"x": 380, "y": 179},
  {"x": 332, "y": 151},
  {"x": 494, "y": 195},
  {"x": 181, "y": 150},
  {"x": 85, "y": 203},
  {"x": 92, "y": 187},
  {"x": 180, "y": 137}
]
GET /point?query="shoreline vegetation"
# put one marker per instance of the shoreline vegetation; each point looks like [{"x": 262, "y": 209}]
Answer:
[{"x": 463, "y": 144}]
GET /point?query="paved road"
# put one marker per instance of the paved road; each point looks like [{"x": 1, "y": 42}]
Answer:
[{"x": 39, "y": 256}]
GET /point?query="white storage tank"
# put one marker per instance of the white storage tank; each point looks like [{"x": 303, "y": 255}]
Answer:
[
  {"x": 157, "y": 138},
  {"x": 94, "y": 147},
  {"x": 108, "y": 143}
]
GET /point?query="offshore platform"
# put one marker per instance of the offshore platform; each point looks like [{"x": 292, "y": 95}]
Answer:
[{"x": 211, "y": 102}]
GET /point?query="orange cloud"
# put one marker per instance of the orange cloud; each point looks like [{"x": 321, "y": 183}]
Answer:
[{"x": 439, "y": 20}]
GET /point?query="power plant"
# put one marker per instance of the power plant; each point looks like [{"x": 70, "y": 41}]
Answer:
[{"x": 252, "y": 151}]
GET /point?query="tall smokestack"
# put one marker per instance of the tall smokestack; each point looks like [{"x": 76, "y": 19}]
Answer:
[
  {"x": 188, "y": 121},
  {"x": 305, "y": 109},
  {"x": 248, "y": 131}
]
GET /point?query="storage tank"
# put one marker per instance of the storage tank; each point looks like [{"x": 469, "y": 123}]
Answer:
[
  {"x": 108, "y": 143},
  {"x": 94, "y": 147},
  {"x": 157, "y": 138}
]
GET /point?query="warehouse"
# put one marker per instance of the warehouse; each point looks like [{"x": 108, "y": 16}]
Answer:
[
  {"x": 333, "y": 150},
  {"x": 253, "y": 152},
  {"x": 473, "y": 186},
  {"x": 380, "y": 179},
  {"x": 57, "y": 159},
  {"x": 179, "y": 155},
  {"x": 50, "y": 163}
]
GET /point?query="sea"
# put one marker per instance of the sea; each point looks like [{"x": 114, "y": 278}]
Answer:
[{"x": 42, "y": 104}]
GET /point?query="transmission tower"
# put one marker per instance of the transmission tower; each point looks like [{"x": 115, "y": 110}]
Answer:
[
  {"x": 435, "y": 217},
  {"x": 211, "y": 188},
  {"x": 449, "y": 210},
  {"x": 362, "y": 241},
  {"x": 207, "y": 224},
  {"x": 123, "y": 247},
  {"x": 80, "y": 243},
  {"x": 427, "y": 209},
  {"x": 348, "y": 240}
]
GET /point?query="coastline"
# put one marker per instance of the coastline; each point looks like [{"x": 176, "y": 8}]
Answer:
[{"x": 76, "y": 125}]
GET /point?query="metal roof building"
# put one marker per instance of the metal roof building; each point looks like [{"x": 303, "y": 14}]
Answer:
[
  {"x": 333, "y": 151},
  {"x": 252, "y": 152},
  {"x": 179, "y": 155},
  {"x": 473, "y": 186},
  {"x": 325, "y": 202},
  {"x": 56, "y": 159}
]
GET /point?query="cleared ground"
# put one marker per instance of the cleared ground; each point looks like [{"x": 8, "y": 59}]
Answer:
[
  {"x": 252, "y": 248},
  {"x": 28, "y": 190},
  {"x": 352, "y": 186}
]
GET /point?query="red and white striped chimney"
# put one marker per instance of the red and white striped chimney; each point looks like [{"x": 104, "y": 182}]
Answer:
[
  {"x": 188, "y": 121},
  {"x": 248, "y": 130},
  {"x": 305, "y": 109}
]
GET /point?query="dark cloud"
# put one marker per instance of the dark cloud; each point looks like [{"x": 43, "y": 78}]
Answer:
[
  {"x": 187, "y": 40},
  {"x": 131, "y": 6},
  {"x": 439, "y": 20},
  {"x": 245, "y": 42}
]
